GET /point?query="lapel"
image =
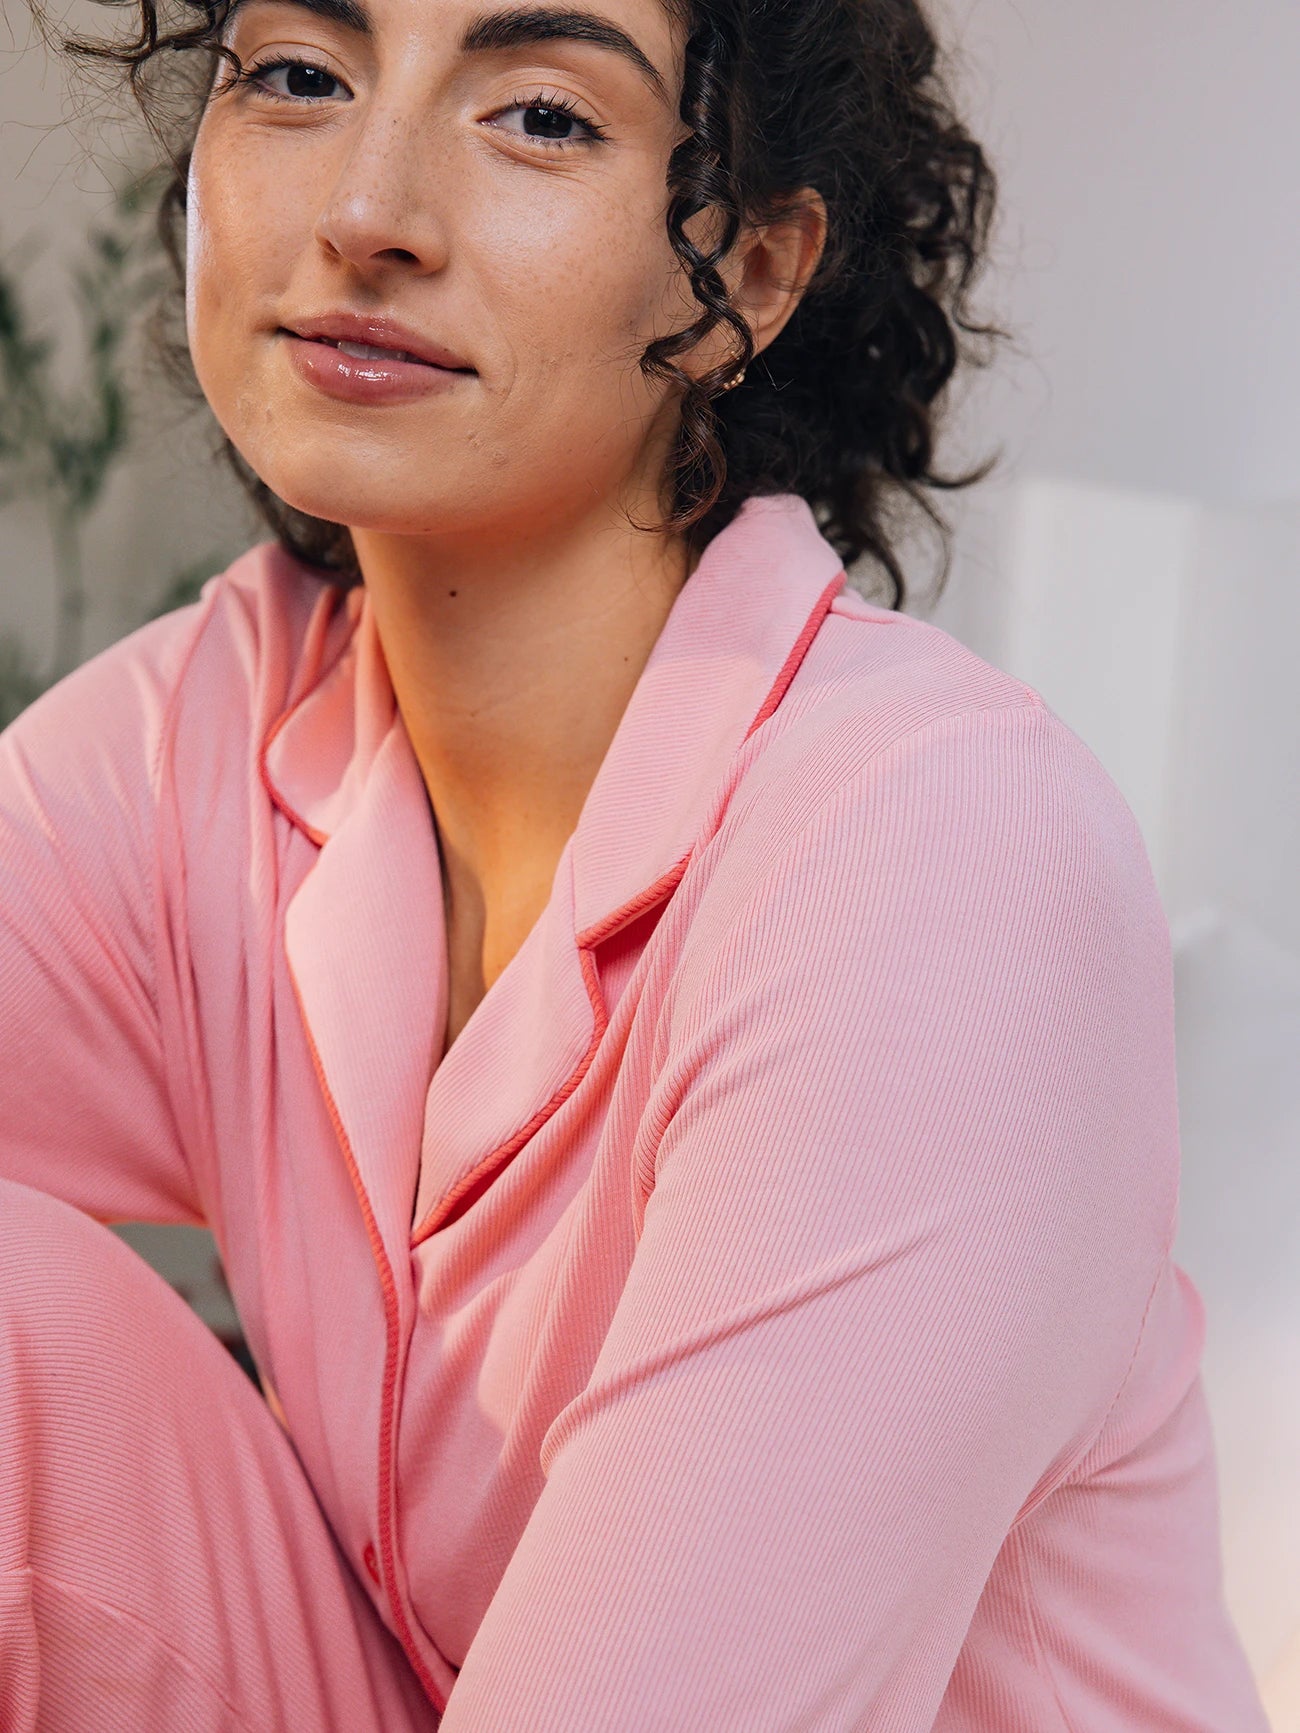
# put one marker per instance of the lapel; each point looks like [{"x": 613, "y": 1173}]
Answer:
[{"x": 364, "y": 931}]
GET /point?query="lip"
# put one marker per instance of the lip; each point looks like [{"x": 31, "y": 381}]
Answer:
[
  {"x": 380, "y": 332},
  {"x": 310, "y": 347}
]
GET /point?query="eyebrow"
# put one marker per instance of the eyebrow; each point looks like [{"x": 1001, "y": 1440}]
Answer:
[{"x": 489, "y": 32}]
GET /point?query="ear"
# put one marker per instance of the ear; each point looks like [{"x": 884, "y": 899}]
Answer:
[{"x": 771, "y": 264}]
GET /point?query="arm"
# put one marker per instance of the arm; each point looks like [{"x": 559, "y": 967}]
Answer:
[
  {"x": 84, "y": 1105},
  {"x": 914, "y": 1187}
]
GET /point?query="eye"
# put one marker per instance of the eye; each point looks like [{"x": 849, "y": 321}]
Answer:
[
  {"x": 303, "y": 81},
  {"x": 550, "y": 120}
]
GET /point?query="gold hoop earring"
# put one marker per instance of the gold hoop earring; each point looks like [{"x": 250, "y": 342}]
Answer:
[{"x": 738, "y": 380}]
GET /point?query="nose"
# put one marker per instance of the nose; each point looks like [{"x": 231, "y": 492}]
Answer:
[{"x": 380, "y": 212}]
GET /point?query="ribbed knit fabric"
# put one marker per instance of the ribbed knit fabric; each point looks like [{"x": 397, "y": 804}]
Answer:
[
  {"x": 763, "y": 1317},
  {"x": 164, "y": 1565}
]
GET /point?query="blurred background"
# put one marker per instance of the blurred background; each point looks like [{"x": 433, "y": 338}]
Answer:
[{"x": 1135, "y": 557}]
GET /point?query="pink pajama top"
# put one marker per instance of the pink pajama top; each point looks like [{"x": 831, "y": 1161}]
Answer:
[{"x": 763, "y": 1317}]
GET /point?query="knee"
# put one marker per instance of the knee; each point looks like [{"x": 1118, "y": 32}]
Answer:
[
  {"x": 55, "y": 1258},
  {"x": 31, "y": 1220}
]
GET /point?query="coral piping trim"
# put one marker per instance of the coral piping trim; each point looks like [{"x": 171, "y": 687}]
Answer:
[
  {"x": 476, "y": 1181},
  {"x": 801, "y": 646},
  {"x": 389, "y": 1392},
  {"x": 319, "y": 837}
]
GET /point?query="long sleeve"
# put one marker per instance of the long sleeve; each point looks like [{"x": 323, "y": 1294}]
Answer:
[
  {"x": 85, "y": 1111},
  {"x": 909, "y": 1184}
]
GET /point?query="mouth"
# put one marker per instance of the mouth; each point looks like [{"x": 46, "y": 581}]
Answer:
[
  {"x": 370, "y": 363},
  {"x": 375, "y": 338},
  {"x": 368, "y": 351}
]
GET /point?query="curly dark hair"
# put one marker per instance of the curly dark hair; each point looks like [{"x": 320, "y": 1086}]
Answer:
[{"x": 846, "y": 96}]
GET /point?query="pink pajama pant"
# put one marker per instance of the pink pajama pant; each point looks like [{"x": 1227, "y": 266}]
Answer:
[{"x": 164, "y": 1564}]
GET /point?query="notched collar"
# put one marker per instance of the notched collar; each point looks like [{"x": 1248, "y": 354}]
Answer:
[
  {"x": 732, "y": 639},
  {"x": 365, "y": 933}
]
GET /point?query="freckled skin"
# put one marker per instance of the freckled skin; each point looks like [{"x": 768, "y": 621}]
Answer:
[{"x": 547, "y": 268}]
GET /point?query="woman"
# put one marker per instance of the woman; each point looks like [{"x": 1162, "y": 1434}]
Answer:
[{"x": 678, "y": 1058}]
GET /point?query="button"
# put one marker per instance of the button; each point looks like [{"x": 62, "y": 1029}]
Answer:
[{"x": 371, "y": 1562}]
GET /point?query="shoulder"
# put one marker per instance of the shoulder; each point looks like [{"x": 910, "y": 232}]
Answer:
[
  {"x": 871, "y": 681},
  {"x": 923, "y": 863},
  {"x": 259, "y": 629},
  {"x": 269, "y": 623},
  {"x": 905, "y": 784},
  {"x": 263, "y": 633},
  {"x": 183, "y": 701},
  {"x": 891, "y": 727}
]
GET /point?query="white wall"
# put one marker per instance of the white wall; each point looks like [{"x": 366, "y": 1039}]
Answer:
[{"x": 1150, "y": 246}]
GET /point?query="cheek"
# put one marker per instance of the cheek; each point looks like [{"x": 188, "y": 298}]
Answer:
[
  {"x": 578, "y": 279},
  {"x": 240, "y": 243}
]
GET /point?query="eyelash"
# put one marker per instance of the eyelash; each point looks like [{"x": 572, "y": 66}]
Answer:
[{"x": 256, "y": 74}]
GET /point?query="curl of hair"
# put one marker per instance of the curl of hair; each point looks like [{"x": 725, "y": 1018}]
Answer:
[{"x": 844, "y": 406}]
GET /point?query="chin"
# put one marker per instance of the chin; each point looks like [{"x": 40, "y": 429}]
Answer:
[
  {"x": 372, "y": 487},
  {"x": 351, "y": 491}
]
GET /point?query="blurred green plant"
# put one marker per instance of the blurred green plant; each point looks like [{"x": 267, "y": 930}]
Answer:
[{"x": 59, "y": 446}]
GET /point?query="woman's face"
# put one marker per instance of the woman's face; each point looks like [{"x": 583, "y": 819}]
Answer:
[{"x": 481, "y": 184}]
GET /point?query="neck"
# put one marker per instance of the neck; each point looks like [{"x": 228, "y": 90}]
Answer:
[{"x": 512, "y": 662}]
